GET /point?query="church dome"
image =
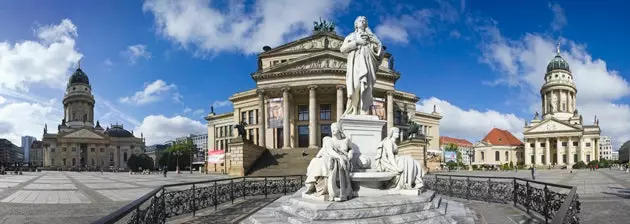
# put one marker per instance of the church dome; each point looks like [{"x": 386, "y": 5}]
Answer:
[
  {"x": 558, "y": 63},
  {"x": 79, "y": 77},
  {"x": 118, "y": 131}
]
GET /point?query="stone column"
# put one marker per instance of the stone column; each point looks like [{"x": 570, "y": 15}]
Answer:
[
  {"x": 340, "y": 101},
  {"x": 390, "y": 110},
  {"x": 559, "y": 152},
  {"x": 261, "y": 118},
  {"x": 569, "y": 154},
  {"x": 596, "y": 147},
  {"x": 545, "y": 103},
  {"x": 286, "y": 129},
  {"x": 581, "y": 149},
  {"x": 528, "y": 151},
  {"x": 536, "y": 156},
  {"x": 312, "y": 116},
  {"x": 547, "y": 152}
]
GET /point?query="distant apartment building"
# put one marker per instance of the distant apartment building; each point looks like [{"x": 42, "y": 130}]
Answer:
[
  {"x": 615, "y": 155},
  {"x": 605, "y": 148},
  {"x": 201, "y": 143},
  {"x": 463, "y": 146},
  {"x": 10, "y": 153},
  {"x": 36, "y": 154},
  {"x": 155, "y": 152},
  {"x": 27, "y": 141}
]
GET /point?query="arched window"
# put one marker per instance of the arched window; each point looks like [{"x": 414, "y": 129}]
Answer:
[
  {"x": 111, "y": 156},
  {"x": 93, "y": 162},
  {"x": 496, "y": 156},
  {"x": 84, "y": 117},
  {"x": 507, "y": 156},
  {"x": 125, "y": 156},
  {"x": 74, "y": 161},
  {"x": 63, "y": 161},
  {"x": 483, "y": 156}
]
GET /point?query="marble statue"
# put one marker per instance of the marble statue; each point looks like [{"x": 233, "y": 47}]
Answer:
[
  {"x": 386, "y": 160},
  {"x": 329, "y": 172},
  {"x": 365, "y": 53}
]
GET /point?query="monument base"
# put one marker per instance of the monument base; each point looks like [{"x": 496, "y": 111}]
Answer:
[{"x": 365, "y": 131}]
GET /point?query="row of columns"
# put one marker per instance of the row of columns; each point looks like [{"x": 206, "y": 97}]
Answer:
[
  {"x": 312, "y": 113},
  {"x": 559, "y": 151},
  {"x": 569, "y": 101}
]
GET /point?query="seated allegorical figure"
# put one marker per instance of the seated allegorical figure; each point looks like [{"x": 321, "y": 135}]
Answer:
[
  {"x": 329, "y": 172},
  {"x": 386, "y": 160}
]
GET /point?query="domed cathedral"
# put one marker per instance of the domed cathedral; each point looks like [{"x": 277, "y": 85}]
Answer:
[
  {"x": 300, "y": 91},
  {"x": 560, "y": 137},
  {"x": 80, "y": 143}
]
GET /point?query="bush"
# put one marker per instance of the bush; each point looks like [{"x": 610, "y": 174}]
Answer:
[
  {"x": 511, "y": 165},
  {"x": 580, "y": 165},
  {"x": 142, "y": 160},
  {"x": 475, "y": 167}
]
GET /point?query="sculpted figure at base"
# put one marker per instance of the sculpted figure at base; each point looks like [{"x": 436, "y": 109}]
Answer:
[
  {"x": 365, "y": 53},
  {"x": 329, "y": 172},
  {"x": 386, "y": 160}
]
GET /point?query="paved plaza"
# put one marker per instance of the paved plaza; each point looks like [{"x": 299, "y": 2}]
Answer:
[
  {"x": 73, "y": 197},
  {"x": 605, "y": 194}
]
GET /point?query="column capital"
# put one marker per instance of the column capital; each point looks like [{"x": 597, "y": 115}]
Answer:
[
  {"x": 312, "y": 87},
  {"x": 286, "y": 89},
  {"x": 341, "y": 86},
  {"x": 390, "y": 93},
  {"x": 260, "y": 92}
]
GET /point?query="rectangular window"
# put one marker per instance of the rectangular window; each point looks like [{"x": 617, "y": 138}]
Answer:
[
  {"x": 302, "y": 112},
  {"x": 244, "y": 116},
  {"x": 588, "y": 158},
  {"x": 52, "y": 162},
  {"x": 251, "y": 117},
  {"x": 92, "y": 150},
  {"x": 532, "y": 145},
  {"x": 398, "y": 117},
  {"x": 575, "y": 158},
  {"x": 324, "y": 129},
  {"x": 542, "y": 145},
  {"x": 575, "y": 143},
  {"x": 302, "y": 136},
  {"x": 564, "y": 144},
  {"x": 533, "y": 158},
  {"x": 256, "y": 118},
  {"x": 230, "y": 130},
  {"x": 588, "y": 144},
  {"x": 74, "y": 149},
  {"x": 52, "y": 150},
  {"x": 564, "y": 158},
  {"x": 325, "y": 112}
]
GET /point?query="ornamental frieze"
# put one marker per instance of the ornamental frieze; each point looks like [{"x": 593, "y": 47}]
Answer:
[
  {"x": 320, "y": 63},
  {"x": 320, "y": 43}
]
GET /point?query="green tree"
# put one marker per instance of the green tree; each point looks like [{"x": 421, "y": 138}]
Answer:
[
  {"x": 181, "y": 152},
  {"x": 135, "y": 162}
]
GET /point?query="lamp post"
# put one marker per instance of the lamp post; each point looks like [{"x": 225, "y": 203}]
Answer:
[{"x": 177, "y": 154}]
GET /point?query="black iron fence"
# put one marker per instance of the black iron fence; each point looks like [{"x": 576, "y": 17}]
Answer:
[
  {"x": 183, "y": 198},
  {"x": 554, "y": 203}
]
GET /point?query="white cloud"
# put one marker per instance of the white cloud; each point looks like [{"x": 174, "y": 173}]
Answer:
[
  {"x": 470, "y": 124},
  {"x": 187, "y": 109},
  {"x": 422, "y": 23},
  {"x": 152, "y": 92},
  {"x": 19, "y": 119},
  {"x": 198, "y": 112},
  {"x": 158, "y": 129},
  {"x": 238, "y": 28},
  {"x": 46, "y": 60},
  {"x": 523, "y": 62},
  {"x": 108, "y": 62},
  {"x": 135, "y": 52},
  {"x": 559, "y": 18},
  {"x": 2, "y": 100},
  {"x": 219, "y": 104}
]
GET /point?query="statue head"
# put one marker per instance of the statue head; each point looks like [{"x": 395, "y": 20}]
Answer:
[
  {"x": 394, "y": 133},
  {"x": 335, "y": 128},
  {"x": 360, "y": 23}
]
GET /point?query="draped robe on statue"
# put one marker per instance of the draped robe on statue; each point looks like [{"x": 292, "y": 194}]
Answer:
[
  {"x": 362, "y": 65},
  {"x": 329, "y": 172},
  {"x": 408, "y": 169}
]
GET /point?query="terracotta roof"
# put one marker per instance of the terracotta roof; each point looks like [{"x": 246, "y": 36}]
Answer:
[
  {"x": 501, "y": 137},
  {"x": 459, "y": 142}
]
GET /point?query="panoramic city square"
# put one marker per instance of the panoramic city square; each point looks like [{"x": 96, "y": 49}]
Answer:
[{"x": 331, "y": 111}]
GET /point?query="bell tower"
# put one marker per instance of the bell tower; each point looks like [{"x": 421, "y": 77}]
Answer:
[
  {"x": 78, "y": 101},
  {"x": 558, "y": 94}
]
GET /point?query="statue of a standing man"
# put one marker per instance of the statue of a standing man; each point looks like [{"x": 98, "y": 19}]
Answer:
[{"x": 365, "y": 53}]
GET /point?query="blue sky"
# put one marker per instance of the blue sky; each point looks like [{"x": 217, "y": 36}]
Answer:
[{"x": 157, "y": 66}]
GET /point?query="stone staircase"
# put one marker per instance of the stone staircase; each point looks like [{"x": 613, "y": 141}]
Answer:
[
  {"x": 282, "y": 162},
  {"x": 427, "y": 207}
]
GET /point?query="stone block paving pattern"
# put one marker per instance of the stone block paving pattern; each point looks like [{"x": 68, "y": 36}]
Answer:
[
  {"x": 604, "y": 193},
  {"x": 73, "y": 197}
]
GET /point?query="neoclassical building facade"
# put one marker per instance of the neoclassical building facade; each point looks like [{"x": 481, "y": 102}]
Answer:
[
  {"x": 79, "y": 142},
  {"x": 300, "y": 92},
  {"x": 560, "y": 136}
]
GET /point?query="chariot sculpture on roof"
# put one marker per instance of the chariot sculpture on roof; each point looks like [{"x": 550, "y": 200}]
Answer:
[{"x": 323, "y": 26}]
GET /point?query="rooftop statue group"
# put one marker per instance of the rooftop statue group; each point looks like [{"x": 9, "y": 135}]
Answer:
[{"x": 330, "y": 172}]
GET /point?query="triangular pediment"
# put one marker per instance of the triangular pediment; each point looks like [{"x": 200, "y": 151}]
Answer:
[
  {"x": 321, "y": 60},
  {"x": 83, "y": 133},
  {"x": 317, "y": 41},
  {"x": 552, "y": 125},
  {"x": 481, "y": 144}
]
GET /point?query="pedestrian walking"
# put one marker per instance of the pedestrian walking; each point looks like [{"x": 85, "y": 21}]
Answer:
[
  {"x": 165, "y": 170},
  {"x": 534, "y": 173}
]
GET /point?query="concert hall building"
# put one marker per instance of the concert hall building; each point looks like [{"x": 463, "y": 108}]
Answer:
[{"x": 300, "y": 91}]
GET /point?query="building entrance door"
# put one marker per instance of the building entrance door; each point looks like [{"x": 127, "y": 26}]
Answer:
[
  {"x": 279, "y": 138},
  {"x": 83, "y": 148}
]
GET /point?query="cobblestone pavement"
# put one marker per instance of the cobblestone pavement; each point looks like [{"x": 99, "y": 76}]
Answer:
[
  {"x": 605, "y": 194},
  {"x": 73, "y": 197}
]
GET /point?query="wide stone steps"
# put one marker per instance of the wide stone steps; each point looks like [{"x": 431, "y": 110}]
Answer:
[
  {"x": 275, "y": 162},
  {"x": 393, "y": 209}
]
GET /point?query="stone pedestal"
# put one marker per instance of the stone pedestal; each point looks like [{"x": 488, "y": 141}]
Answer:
[{"x": 365, "y": 131}]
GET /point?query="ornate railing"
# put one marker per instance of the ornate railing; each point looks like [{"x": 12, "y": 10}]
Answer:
[
  {"x": 183, "y": 198},
  {"x": 552, "y": 202}
]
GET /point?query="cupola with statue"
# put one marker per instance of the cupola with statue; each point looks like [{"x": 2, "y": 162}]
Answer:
[{"x": 78, "y": 101}]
